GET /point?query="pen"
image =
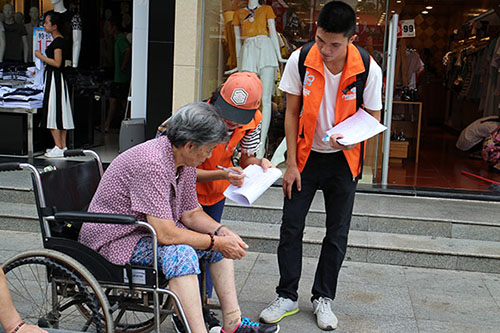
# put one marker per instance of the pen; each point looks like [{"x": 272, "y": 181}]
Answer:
[{"x": 228, "y": 170}]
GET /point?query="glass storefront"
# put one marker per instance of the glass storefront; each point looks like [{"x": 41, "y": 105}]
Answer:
[
  {"x": 295, "y": 25},
  {"x": 445, "y": 81},
  {"x": 86, "y": 23},
  {"x": 441, "y": 51}
]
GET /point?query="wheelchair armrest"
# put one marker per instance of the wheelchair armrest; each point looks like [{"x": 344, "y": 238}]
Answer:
[{"x": 94, "y": 218}]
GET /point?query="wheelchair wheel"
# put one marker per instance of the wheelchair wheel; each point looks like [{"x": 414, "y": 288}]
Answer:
[
  {"x": 132, "y": 315},
  {"x": 53, "y": 290}
]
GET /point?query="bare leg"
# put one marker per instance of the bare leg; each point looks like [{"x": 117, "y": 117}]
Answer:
[
  {"x": 9, "y": 317},
  {"x": 223, "y": 279},
  {"x": 186, "y": 288},
  {"x": 56, "y": 135},
  {"x": 267, "y": 77},
  {"x": 63, "y": 134}
]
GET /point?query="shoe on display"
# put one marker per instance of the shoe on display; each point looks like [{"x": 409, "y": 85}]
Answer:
[
  {"x": 278, "y": 309},
  {"x": 55, "y": 152},
  {"x": 325, "y": 318},
  {"x": 248, "y": 326}
]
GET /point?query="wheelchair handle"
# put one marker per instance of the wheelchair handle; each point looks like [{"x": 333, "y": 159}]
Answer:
[
  {"x": 10, "y": 166},
  {"x": 74, "y": 152}
]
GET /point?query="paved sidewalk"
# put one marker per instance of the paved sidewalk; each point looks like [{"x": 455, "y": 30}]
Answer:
[{"x": 370, "y": 297}]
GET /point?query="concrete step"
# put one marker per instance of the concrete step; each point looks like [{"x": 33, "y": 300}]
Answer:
[
  {"x": 16, "y": 187},
  {"x": 19, "y": 217},
  {"x": 385, "y": 248},
  {"x": 453, "y": 218}
]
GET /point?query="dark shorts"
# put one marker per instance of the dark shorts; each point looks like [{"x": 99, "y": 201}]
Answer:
[{"x": 119, "y": 90}]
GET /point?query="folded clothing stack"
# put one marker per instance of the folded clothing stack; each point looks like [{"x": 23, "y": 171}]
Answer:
[{"x": 25, "y": 98}]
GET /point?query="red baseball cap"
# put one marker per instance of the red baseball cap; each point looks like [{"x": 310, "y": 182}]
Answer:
[{"x": 240, "y": 97}]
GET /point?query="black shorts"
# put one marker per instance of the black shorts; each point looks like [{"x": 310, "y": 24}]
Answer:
[{"x": 119, "y": 90}]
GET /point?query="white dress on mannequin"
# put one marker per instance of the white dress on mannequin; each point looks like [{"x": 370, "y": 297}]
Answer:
[{"x": 259, "y": 53}]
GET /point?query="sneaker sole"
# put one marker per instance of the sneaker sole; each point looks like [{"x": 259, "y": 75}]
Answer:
[
  {"x": 329, "y": 328},
  {"x": 286, "y": 314}
]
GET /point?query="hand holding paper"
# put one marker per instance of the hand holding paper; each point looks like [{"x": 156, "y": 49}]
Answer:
[
  {"x": 359, "y": 127},
  {"x": 256, "y": 182}
]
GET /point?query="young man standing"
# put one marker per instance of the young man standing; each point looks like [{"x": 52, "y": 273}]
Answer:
[{"x": 327, "y": 96}]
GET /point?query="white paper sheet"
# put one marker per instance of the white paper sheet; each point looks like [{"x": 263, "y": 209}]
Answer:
[
  {"x": 359, "y": 127},
  {"x": 256, "y": 182}
]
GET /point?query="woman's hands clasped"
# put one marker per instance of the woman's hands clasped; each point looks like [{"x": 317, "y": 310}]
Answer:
[{"x": 230, "y": 244}]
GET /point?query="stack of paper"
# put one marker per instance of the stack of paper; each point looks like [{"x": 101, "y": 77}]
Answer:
[
  {"x": 357, "y": 128},
  {"x": 256, "y": 182}
]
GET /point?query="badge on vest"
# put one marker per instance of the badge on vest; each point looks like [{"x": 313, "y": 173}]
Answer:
[
  {"x": 349, "y": 95},
  {"x": 308, "y": 80}
]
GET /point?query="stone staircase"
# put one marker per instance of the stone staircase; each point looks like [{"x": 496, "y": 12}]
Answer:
[{"x": 389, "y": 229}]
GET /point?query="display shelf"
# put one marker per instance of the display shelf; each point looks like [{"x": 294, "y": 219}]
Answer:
[{"x": 406, "y": 120}]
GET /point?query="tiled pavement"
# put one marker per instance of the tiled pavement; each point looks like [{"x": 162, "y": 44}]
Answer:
[{"x": 370, "y": 297}]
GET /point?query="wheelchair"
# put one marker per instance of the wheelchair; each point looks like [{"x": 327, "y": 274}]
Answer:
[{"x": 68, "y": 286}]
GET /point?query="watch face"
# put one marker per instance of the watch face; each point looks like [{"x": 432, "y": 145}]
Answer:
[{"x": 251, "y": 19}]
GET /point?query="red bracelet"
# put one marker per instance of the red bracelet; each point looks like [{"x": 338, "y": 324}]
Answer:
[
  {"x": 212, "y": 241},
  {"x": 21, "y": 324}
]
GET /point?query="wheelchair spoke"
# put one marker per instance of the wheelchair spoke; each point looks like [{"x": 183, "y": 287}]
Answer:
[
  {"x": 52, "y": 296},
  {"x": 20, "y": 294}
]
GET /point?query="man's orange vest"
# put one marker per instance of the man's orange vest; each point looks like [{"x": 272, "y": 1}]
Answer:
[
  {"x": 312, "y": 95},
  {"x": 210, "y": 193}
]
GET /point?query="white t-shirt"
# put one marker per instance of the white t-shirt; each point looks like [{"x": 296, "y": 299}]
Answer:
[{"x": 372, "y": 96}]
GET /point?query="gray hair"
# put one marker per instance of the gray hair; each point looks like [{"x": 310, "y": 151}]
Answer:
[{"x": 197, "y": 122}]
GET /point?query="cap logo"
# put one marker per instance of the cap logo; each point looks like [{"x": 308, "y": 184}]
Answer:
[{"x": 239, "y": 96}]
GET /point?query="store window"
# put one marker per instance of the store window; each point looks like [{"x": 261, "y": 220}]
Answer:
[
  {"x": 293, "y": 26},
  {"x": 446, "y": 101},
  {"x": 97, "y": 88}
]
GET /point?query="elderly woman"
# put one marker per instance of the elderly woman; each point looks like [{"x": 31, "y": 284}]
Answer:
[{"x": 156, "y": 182}]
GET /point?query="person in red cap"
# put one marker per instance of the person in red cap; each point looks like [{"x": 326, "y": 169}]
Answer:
[{"x": 237, "y": 102}]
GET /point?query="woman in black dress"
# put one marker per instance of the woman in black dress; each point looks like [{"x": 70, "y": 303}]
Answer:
[{"x": 56, "y": 104}]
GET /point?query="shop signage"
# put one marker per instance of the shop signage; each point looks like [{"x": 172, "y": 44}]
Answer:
[
  {"x": 41, "y": 40},
  {"x": 406, "y": 28}
]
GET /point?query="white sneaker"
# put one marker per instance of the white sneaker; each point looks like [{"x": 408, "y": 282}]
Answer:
[
  {"x": 325, "y": 318},
  {"x": 55, "y": 152},
  {"x": 278, "y": 309},
  {"x": 50, "y": 149}
]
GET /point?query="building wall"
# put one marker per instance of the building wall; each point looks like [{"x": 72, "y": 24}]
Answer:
[{"x": 187, "y": 37}]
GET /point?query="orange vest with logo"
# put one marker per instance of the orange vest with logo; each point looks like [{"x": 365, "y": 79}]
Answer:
[
  {"x": 312, "y": 95},
  {"x": 210, "y": 193}
]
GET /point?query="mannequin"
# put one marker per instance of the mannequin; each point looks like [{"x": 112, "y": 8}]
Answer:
[
  {"x": 16, "y": 42},
  {"x": 19, "y": 18},
  {"x": 34, "y": 22},
  {"x": 74, "y": 21},
  {"x": 260, "y": 36},
  {"x": 124, "y": 12}
]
